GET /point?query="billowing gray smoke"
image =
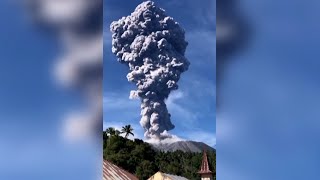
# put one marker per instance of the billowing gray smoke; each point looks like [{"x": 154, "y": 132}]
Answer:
[
  {"x": 78, "y": 26},
  {"x": 152, "y": 44}
]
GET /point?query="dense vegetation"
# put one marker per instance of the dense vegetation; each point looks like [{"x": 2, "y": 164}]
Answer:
[{"x": 141, "y": 159}]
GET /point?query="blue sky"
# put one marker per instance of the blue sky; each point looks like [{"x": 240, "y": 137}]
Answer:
[
  {"x": 32, "y": 106},
  {"x": 192, "y": 106},
  {"x": 270, "y": 121}
]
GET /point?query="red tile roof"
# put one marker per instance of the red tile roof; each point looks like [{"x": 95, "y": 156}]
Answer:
[{"x": 113, "y": 172}]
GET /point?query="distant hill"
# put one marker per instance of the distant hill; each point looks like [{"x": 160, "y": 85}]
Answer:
[{"x": 185, "y": 146}]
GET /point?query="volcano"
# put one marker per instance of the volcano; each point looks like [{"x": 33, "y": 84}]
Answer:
[{"x": 185, "y": 146}]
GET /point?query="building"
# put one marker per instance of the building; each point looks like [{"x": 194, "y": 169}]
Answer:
[
  {"x": 205, "y": 172},
  {"x": 163, "y": 176},
  {"x": 113, "y": 172}
]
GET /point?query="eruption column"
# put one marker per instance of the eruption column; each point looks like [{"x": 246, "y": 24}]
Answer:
[{"x": 152, "y": 45}]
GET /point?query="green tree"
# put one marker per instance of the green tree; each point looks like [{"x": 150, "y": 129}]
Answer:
[
  {"x": 139, "y": 158},
  {"x": 117, "y": 133},
  {"x": 127, "y": 130},
  {"x": 146, "y": 169},
  {"x": 105, "y": 139},
  {"x": 111, "y": 131}
]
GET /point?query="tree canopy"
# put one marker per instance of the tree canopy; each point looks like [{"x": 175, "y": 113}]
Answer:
[
  {"x": 127, "y": 130},
  {"x": 139, "y": 158}
]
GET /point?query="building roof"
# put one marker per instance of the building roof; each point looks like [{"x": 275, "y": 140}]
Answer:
[
  {"x": 113, "y": 172},
  {"x": 160, "y": 175},
  {"x": 205, "y": 165},
  {"x": 174, "y": 177}
]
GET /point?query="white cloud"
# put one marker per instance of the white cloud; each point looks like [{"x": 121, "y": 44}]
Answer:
[
  {"x": 119, "y": 111},
  {"x": 77, "y": 127},
  {"x": 63, "y": 13},
  {"x": 81, "y": 54},
  {"x": 179, "y": 111},
  {"x": 119, "y": 101},
  {"x": 107, "y": 40},
  {"x": 206, "y": 85}
]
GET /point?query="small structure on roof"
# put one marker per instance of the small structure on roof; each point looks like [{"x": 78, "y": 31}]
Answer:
[
  {"x": 163, "y": 176},
  {"x": 113, "y": 172},
  {"x": 205, "y": 172}
]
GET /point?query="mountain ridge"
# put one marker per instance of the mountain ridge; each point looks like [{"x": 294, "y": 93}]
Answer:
[{"x": 185, "y": 146}]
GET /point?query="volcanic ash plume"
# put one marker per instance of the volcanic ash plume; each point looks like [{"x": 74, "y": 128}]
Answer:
[{"x": 152, "y": 44}]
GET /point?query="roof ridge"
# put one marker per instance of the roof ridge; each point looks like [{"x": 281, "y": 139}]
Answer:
[{"x": 111, "y": 170}]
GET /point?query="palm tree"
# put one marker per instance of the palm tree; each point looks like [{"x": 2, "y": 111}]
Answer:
[
  {"x": 105, "y": 135},
  {"x": 127, "y": 129},
  {"x": 111, "y": 131},
  {"x": 117, "y": 133}
]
